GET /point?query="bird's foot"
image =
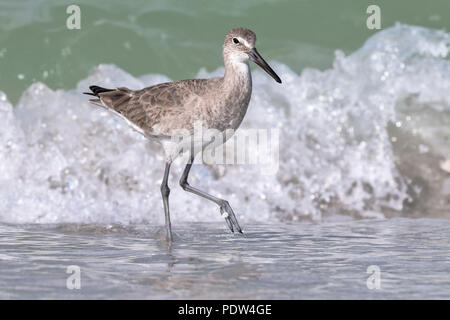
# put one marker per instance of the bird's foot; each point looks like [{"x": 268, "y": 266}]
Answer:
[{"x": 230, "y": 218}]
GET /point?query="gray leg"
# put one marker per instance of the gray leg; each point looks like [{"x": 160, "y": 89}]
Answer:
[
  {"x": 225, "y": 208},
  {"x": 165, "y": 191}
]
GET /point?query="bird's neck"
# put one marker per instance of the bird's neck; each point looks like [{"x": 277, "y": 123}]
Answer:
[
  {"x": 236, "y": 93},
  {"x": 237, "y": 75}
]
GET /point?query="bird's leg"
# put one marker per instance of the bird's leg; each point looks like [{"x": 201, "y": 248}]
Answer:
[
  {"x": 165, "y": 191},
  {"x": 225, "y": 208}
]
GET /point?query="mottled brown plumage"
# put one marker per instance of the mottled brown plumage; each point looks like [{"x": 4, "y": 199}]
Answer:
[
  {"x": 160, "y": 109},
  {"x": 217, "y": 103}
]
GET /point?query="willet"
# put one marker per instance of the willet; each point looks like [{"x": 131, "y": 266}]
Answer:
[{"x": 218, "y": 103}]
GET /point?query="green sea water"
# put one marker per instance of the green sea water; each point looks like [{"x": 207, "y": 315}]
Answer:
[{"x": 177, "y": 38}]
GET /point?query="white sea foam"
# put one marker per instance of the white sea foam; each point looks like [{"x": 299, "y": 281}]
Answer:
[{"x": 341, "y": 137}]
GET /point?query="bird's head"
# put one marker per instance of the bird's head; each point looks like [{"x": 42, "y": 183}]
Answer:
[{"x": 239, "y": 47}]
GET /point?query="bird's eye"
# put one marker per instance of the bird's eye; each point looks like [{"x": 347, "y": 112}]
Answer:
[{"x": 236, "y": 41}]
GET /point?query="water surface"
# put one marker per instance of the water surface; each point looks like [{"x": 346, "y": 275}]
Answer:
[{"x": 271, "y": 261}]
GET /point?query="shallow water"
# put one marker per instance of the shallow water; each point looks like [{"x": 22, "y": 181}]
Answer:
[{"x": 282, "y": 261}]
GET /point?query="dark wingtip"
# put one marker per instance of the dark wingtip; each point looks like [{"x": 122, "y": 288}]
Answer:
[{"x": 96, "y": 90}]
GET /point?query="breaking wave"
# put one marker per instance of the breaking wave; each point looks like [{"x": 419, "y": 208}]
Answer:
[{"x": 367, "y": 138}]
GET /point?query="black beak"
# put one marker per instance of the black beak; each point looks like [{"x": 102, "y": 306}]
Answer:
[{"x": 256, "y": 58}]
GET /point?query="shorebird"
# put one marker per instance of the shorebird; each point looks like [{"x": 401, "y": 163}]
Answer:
[{"x": 219, "y": 103}]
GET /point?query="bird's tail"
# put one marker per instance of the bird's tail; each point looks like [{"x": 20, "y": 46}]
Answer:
[{"x": 115, "y": 99}]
